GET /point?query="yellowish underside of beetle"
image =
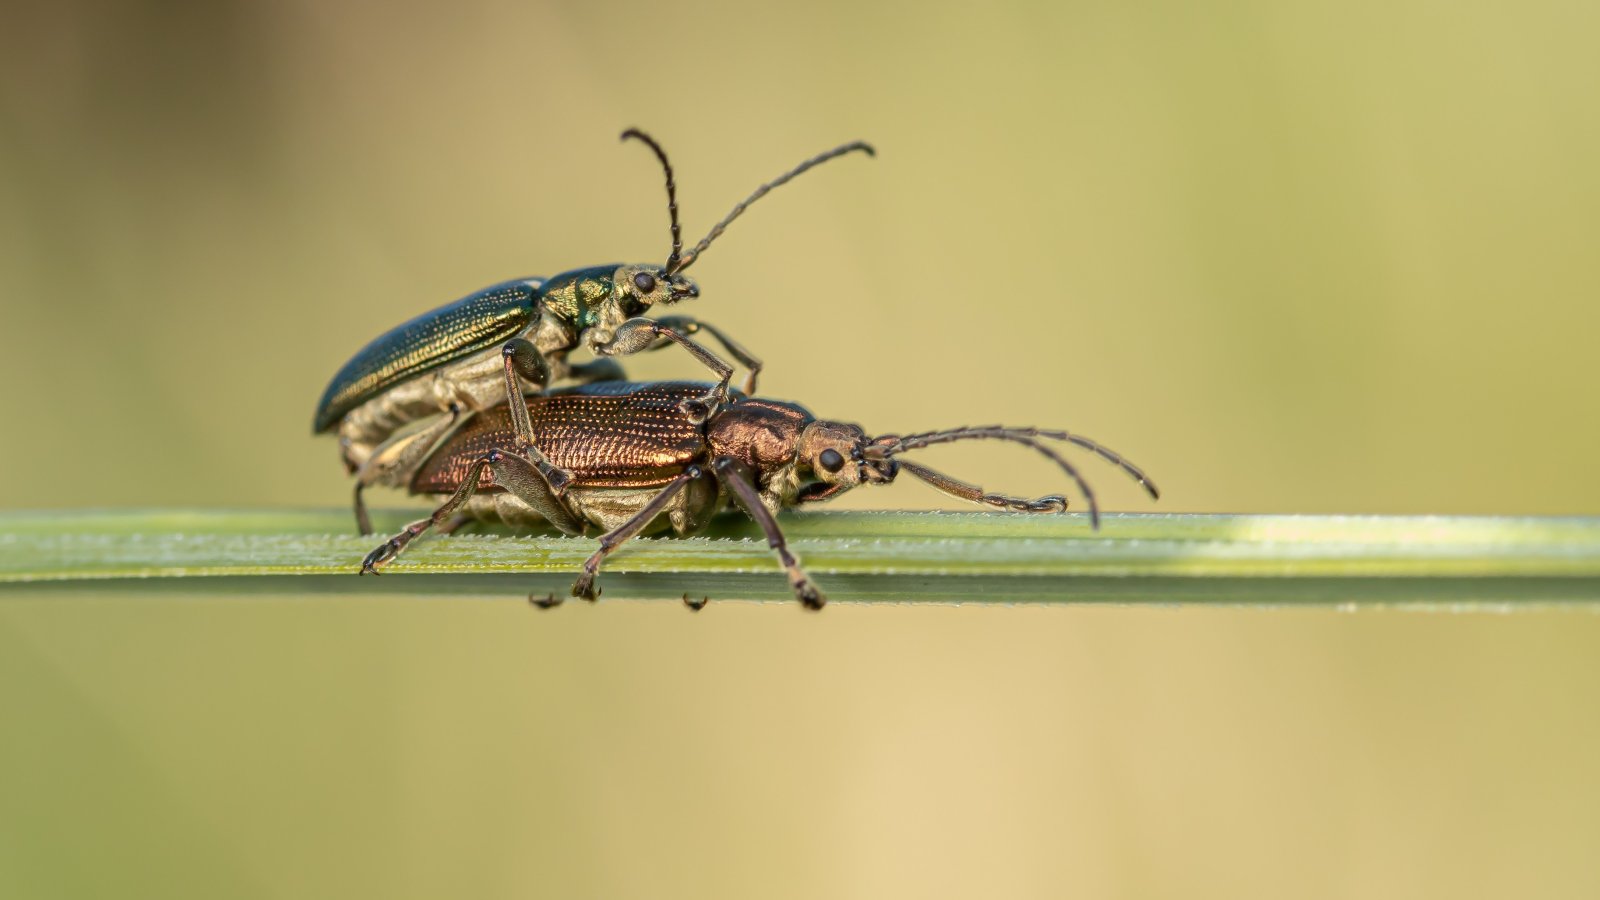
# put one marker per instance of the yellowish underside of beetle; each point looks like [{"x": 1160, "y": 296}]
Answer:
[
  {"x": 607, "y": 508},
  {"x": 474, "y": 384}
]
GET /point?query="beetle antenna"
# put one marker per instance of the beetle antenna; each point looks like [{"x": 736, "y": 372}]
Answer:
[
  {"x": 673, "y": 261},
  {"x": 1023, "y": 435},
  {"x": 1014, "y": 435},
  {"x": 785, "y": 178}
]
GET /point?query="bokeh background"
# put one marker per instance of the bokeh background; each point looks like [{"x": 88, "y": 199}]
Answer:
[{"x": 1291, "y": 257}]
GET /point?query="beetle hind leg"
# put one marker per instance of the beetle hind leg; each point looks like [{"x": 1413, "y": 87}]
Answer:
[
  {"x": 396, "y": 459},
  {"x": 514, "y": 473},
  {"x": 391, "y": 548}
]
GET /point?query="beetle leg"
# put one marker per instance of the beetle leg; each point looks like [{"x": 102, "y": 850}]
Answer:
[
  {"x": 512, "y": 472},
  {"x": 817, "y": 492},
  {"x": 955, "y": 487},
  {"x": 598, "y": 370},
  {"x": 523, "y": 361},
  {"x": 391, "y": 548},
  {"x": 689, "y": 325},
  {"x": 530, "y": 483},
  {"x": 396, "y": 459},
  {"x": 635, "y": 335},
  {"x": 736, "y": 477},
  {"x": 611, "y": 540}
]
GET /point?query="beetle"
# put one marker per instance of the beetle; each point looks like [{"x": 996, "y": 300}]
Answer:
[
  {"x": 639, "y": 463},
  {"x": 473, "y": 353}
]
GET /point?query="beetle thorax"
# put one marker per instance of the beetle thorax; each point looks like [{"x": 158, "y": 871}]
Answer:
[{"x": 762, "y": 434}]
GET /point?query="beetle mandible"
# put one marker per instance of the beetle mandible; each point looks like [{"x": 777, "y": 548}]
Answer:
[
  {"x": 472, "y": 354},
  {"x": 639, "y": 463}
]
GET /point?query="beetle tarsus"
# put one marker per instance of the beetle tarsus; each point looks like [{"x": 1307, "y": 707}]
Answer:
[
  {"x": 695, "y": 605},
  {"x": 809, "y": 596},
  {"x": 548, "y": 602},
  {"x": 585, "y": 587},
  {"x": 386, "y": 551}
]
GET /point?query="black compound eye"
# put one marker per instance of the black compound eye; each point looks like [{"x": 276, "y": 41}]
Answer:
[
  {"x": 645, "y": 282},
  {"x": 830, "y": 460}
]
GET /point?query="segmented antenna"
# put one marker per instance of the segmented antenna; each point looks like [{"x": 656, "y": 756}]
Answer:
[
  {"x": 689, "y": 258},
  {"x": 673, "y": 262},
  {"x": 1029, "y": 437},
  {"x": 1024, "y": 435}
]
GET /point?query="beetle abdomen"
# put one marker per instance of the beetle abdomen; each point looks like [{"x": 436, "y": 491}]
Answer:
[
  {"x": 610, "y": 435},
  {"x": 459, "y": 329}
]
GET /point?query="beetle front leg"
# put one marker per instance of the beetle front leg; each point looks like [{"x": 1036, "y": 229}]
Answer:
[
  {"x": 635, "y": 335},
  {"x": 737, "y": 478},
  {"x": 611, "y": 540},
  {"x": 689, "y": 325},
  {"x": 955, "y": 487}
]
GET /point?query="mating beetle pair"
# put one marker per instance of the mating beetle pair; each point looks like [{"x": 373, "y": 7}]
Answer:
[
  {"x": 462, "y": 356},
  {"x": 441, "y": 406}
]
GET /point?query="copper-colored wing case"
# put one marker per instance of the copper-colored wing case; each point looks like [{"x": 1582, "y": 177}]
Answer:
[{"x": 608, "y": 435}]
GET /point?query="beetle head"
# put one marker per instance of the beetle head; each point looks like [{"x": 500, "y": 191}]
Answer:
[
  {"x": 840, "y": 456},
  {"x": 637, "y": 288}
]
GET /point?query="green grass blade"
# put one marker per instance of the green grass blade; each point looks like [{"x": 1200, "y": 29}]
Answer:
[{"x": 898, "y": 556}]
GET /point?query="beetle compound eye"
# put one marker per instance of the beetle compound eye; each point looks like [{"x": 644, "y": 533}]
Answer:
[
  {"x": 831, "y": 460},
  {"x": 645, "y": 282}
]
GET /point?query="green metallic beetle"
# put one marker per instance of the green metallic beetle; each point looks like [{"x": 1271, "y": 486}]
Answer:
[{"x": 419, "y": 377}]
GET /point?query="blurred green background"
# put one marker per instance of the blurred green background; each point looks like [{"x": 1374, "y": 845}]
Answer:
[{"x": 1290, "y": 257}]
